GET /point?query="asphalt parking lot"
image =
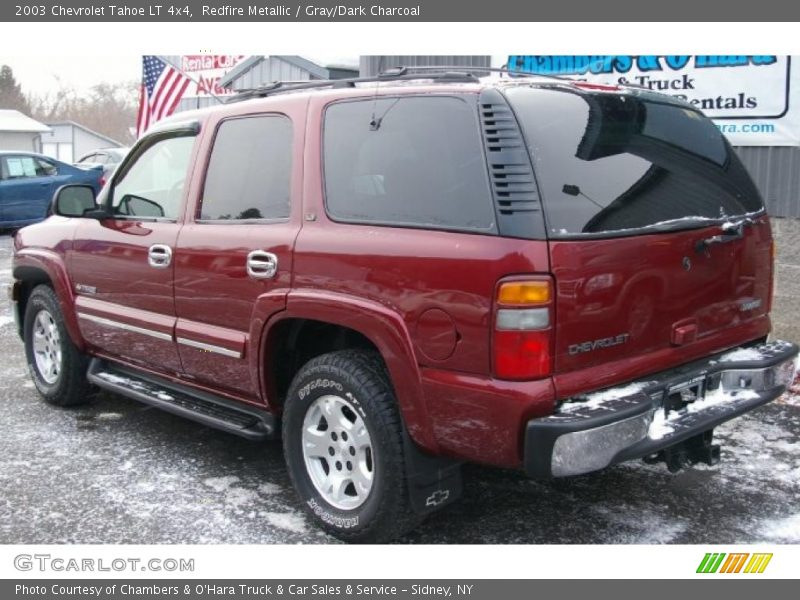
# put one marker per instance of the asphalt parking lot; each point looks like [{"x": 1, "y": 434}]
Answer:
[{"x": 116, "y": 471}]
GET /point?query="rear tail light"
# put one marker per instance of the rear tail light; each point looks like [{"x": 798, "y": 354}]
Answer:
[
  {"x": 522, "y": 336},
  {"x": 102, "y": 181}
]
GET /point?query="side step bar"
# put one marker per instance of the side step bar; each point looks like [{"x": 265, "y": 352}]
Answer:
[{"x": 205, "y": 408}]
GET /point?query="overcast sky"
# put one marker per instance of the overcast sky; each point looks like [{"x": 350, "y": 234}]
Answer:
[{"x": 41, "y": 75}]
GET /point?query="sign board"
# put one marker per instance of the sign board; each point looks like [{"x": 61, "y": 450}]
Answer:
[
  {"x": 206, "y": 71},
  {"x": 754, "y": 100}
]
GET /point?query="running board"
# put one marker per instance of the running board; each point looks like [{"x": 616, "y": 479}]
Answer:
[{"x": 208, "y": 409}]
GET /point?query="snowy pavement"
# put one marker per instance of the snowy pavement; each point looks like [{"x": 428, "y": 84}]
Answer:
[{"x": 119, "y": 472}]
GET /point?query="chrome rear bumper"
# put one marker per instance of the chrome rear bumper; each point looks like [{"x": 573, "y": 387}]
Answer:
[{"x": 644, "y": 417}]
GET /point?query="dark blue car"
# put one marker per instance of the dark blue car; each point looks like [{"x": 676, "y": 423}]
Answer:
[{"x": 28, "y": 181}]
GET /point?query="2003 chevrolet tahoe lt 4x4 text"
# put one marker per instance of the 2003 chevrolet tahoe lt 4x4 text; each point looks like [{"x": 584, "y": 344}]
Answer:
[{"x": 414, "y": 271}]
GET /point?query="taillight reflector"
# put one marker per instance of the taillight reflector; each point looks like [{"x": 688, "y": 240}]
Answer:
[
  {"x": 524, "y": 293},
  {"x": 521, "y": 354}
]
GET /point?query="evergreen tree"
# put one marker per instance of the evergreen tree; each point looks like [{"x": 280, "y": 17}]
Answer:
[{"x": 11, "y": 95}]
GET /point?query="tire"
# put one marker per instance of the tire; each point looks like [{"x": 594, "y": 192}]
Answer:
[
  {"x": 333, "y": 395},
  {"x": 57, "y": 367}
]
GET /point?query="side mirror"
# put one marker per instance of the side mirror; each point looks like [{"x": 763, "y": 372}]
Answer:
[{"x": 74, "y": 201}]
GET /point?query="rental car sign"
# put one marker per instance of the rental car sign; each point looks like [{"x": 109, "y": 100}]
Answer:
[
  {"x": 752, "y": 99},
  {"x": 206, "y": 71}
]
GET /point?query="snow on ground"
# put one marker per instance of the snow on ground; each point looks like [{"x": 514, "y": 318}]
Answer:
[{"x": 783, "y": 530}]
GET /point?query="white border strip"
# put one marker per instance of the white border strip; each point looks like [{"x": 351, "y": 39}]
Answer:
[{"x": 417, "y": 562}]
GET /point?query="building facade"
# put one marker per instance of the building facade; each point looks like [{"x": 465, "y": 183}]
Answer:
[
  {"x": 20, "y": 132},
  {"x": 67, "y": 141}
]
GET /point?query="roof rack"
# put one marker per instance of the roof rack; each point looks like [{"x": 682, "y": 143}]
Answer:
[{"x": 437, "y": 73}]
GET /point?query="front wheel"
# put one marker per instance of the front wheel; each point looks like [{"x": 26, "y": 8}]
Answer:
[
  {"x": 57, "y": 367},
  {"x": 342, "y": 438}
]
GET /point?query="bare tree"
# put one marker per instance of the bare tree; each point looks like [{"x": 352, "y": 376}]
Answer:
[{"x": 108, "y": 108}]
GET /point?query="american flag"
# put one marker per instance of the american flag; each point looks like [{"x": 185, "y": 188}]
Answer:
[{"x": 162, "y": 88}]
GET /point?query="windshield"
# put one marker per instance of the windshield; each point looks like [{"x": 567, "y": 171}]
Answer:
[{"x": 613, "y": 163}]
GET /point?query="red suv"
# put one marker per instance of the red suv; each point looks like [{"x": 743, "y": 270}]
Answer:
[{"x": 401, "y": 274}]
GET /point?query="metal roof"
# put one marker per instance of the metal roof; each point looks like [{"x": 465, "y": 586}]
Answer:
[
  {"x": 297, "y": 61},
  {"x": 15, "y": 121}
]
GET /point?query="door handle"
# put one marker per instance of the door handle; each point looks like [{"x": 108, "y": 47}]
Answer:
[
  {"x": 262, "y": 265},
  {"x": 159, "y": 256}
]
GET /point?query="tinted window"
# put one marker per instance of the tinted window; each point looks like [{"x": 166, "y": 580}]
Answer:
[
  {"x": 407, "y": 161},
  {"x": 250, "y": 170},
  {"x": 612, "y": 162},
  {"x": 153, "y": 185}
]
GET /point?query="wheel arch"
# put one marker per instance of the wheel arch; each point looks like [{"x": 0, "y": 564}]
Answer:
[
  {"x": 356, "y": 323},
  {"x": 35, "y": 267}
]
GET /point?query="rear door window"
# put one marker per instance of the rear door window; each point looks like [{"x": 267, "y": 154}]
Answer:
[
  {"x": 249, "y": 172},
  {"x": 611, "y": 163},
  {"x": 407, "y": 162}
]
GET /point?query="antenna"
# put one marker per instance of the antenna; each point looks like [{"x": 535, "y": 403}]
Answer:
[{"x": 374, "y": 123}]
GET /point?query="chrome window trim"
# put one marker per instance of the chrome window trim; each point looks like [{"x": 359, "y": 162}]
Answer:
[
  {"x": 209, "y": 347},
  {"x": 124, "y": 326}
]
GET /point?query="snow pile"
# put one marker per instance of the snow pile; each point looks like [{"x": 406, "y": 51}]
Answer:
[
  {"x": 741, "y": 354},
  {"x": 221, "y": 484},
  {"x": 597, "y": 399},
  {"x": 659, "y": 427},
  {"x": 663, "y": 425},
  {"x": 6, "y": 320},
  {"x": 269, "y": 488},
  {"x": 785, "y": 530},
  {"x": 289, "y": 521}
]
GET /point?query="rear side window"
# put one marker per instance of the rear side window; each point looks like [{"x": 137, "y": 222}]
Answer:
[
  {"x": 616, "y": 163},
  {"x": 250, "y": 170},
  {"x": 408, "y": 161}
]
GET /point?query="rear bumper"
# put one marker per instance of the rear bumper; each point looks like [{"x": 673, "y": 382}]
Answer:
[{"x": 644, "y": 417}]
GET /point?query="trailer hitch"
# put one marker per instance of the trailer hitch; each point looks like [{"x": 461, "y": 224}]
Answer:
[{"x": 697, "y": 449}]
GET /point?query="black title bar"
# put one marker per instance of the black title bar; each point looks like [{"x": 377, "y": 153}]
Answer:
[{"x": 715, "y": 11}]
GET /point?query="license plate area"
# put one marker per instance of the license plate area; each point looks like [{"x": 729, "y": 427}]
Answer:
[{"x": 679, "y": 396}]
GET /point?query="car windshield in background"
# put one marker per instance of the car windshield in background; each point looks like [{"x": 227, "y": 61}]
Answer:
[{"x": 618, "y": 163}]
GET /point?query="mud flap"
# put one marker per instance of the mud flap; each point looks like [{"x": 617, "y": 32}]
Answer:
[{"x": 433, "y": 481}]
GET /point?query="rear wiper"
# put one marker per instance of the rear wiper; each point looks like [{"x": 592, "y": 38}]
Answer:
[{"x": 731, "y": 230}]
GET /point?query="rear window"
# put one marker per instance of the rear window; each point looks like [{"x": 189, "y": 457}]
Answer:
[
  {"x": 407, "y": 161},
  {"x": 614, "y": 163}
]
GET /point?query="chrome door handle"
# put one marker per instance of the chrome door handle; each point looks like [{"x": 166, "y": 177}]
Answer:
[
  {"x": 262, "y": 265},
  {"x": 159, "y": 256}
]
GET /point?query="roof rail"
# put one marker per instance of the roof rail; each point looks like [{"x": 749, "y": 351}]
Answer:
[{"x": 438, "y": 73}]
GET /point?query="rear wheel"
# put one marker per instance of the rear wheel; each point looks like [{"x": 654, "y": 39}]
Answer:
[
  {"x": 342, "y": 438},
  {"x": 57, "y": 367}
]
